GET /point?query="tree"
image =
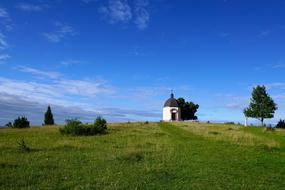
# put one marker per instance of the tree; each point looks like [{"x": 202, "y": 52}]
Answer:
[
  {"x": 188, "y": 109},
  {"x": 261, "y": 105},
  {"x": 49, "y": 117},
  {"x": 21, "y": 122}
]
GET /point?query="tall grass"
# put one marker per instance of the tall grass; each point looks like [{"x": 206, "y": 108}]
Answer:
[{"x": 229, "y": 132}]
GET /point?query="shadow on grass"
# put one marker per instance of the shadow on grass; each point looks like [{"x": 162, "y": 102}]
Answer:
[
  {"x": 145, "y": 145},
  {"x": 8, "y": 165},
  {"x": 271, "y": 149},
  {"x": 132, "y": 157},
  {"x": 214, "y": 133},
  {"x": 162, "y": 174},
  {"x": 64, "y": 148},
  {"x": 159, "y": 134}
]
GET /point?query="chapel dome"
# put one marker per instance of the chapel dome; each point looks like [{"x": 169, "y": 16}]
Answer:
[{"x": 171, "y": 102}]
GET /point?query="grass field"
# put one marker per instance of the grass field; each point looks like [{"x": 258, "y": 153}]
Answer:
[{"x": 145, "y": 156}]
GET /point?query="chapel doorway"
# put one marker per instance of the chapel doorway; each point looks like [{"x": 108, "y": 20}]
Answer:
[{"x": 173, "y": 116}]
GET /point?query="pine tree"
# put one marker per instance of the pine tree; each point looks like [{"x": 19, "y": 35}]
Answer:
[
  {"x": 261, "y": 105},
  {"x": 49, "y": 117}
]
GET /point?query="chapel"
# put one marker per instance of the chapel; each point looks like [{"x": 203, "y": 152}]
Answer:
[{"x": 171, "y": 110}]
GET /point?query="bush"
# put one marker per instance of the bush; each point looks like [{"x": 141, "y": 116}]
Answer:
[
  {"x": 22, "y": 146},
  {"x": 9, "y": 125},
  {"x": 281, "y": 124},
  {"x": 230, "y": 123},
  {"x": 72, "y": 127},
  {"x": 100, "y": 123},
  {"x": 20, "y": 122},
  {"x": 75, "y": 127}
]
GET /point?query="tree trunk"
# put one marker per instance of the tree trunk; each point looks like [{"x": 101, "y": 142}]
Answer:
[{"x": 262, "y": 121}]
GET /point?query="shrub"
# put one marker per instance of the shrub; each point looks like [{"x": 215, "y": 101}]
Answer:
[
  {"x": 72, "y": 127},
  {"x": 75, "y": 127},
  {"x": 281, "y": 124},
  {"x": 22, "y": 146},
  {"x": 100, "y": 124},
  {"x": 9, "y": 125},
  {"x": 229, "y": 123},
  {"x": 132, "y": 156},
  {"x": 20, "y": 122}
]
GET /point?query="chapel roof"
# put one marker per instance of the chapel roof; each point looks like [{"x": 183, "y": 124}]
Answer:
[{"x": 171, "y": 102}]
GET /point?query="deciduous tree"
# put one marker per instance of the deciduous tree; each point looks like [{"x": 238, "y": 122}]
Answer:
[
  {"x": 188, "y": 109},
  {"x": 261, "y": 105}
]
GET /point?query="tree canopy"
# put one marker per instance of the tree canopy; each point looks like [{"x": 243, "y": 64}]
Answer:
[
  {"x": 49, "y": 117},
  {"x": 261, "y": 105},
  {"x": 188, "y": 109},
  {"x": 20, "y": 122}
]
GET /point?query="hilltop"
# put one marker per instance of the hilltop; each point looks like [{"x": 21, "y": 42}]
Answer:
[{"x": 145, "y": 156}]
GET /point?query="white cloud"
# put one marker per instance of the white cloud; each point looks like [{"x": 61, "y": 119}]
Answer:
[
  {"x": 224, "y": 34},
  {"x": 5, "y": 20},
  {"x": 117, "y": 11},
  {"x": 4, "y": 57},
  {"x": 88, "y": 1},
  {"x": 69, "y": 98},
  {"x": 120, "y": 11},
  {"x": 232, "y": 102},
  {"x": 278, "y": 85},
  {"x": 145, "y": 92},
  {"x": 3, "y": 42},
  {"x": 3, "y": 46},
  {"x": 142, "y": 16},
  {"x": 38, "y": 73},
  {"x": 279, "y": 65},
  {"x": 88, "y": 88},
  {"x": 56, "y": 86},
  {"x": 235, "y": 106},
  {"x": 31, "y": 7},
  {"x": 70, "y": 62},
  {"x": 57, "y": 91},
  {"x": 264, "y": 33},
  {"x": 6, "y": 26},
  {"x": 4, "y": 13},
  {"x": 62, "y": 31}
]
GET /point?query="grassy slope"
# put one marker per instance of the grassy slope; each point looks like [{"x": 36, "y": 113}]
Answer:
[{"x": 145, "y": 156}]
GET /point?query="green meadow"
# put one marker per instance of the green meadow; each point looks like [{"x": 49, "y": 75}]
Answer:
[{"x": 145, "y": 156}]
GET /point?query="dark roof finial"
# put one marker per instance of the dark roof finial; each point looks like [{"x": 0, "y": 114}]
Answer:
[
  {"x": 171, "y": 95},
  {"x": 171, "y": 102}
]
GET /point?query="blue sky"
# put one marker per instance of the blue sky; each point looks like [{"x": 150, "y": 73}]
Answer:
[{"x": 121, "y": 58}]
